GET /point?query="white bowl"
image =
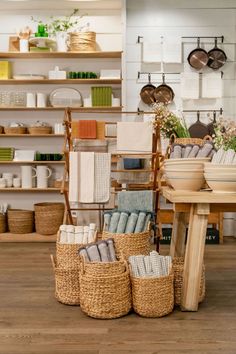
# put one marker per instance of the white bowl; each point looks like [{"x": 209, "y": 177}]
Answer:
[
  {"x": 186, "y": 160},
  {"x": 182, "y": 167},
  {"x": 222, "y": 186},
  {"x": 220, "y": 177},
  {"x": 184, "y": 173},
  {"x": 186, "y": 184}
]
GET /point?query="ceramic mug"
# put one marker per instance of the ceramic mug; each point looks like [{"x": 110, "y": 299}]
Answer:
[
  {"x": 9, "y": 179},
  {"x": 30, "y": 99},
  {"x": 43, "y": 174},
  {"x": 3, "y": 183},
  {"x": 17, "y": 182},
  {"x": 27, "y": 176}
]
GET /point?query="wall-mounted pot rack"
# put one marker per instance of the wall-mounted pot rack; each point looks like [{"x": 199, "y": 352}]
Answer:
[
  {"x": 204, "y": 37},
  {"x": 203, "y": 110}
]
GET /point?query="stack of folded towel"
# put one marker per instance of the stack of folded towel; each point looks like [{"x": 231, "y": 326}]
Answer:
[
  {"x": 101, "y": 251},
  {"x": 126, "y": 222},
  {"x": 192, "y": 150},
  {"x": 153, "y": 265},
  {"x": 70, "y": 234}
]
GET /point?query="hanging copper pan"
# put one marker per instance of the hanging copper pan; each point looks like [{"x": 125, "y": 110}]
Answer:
[
  {"x": 164, "y": 93},
  {"x": 147, "y": 92},
  {"x": 217, "y": 57},
  {"x": 198, "y": 58}
]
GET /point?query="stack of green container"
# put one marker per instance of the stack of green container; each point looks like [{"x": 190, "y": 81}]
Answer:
[
  {"x": 6, "y": 154},
  {"x": 101, "y": 96}
]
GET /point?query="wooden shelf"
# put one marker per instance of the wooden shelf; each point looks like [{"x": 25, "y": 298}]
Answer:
[
  {"x": 78, "y": 55},
  {"x": 39, "y": 190},
  {"x": 32, "y": 162},
  {"x": 31, "y": 135},
  {"x": 33, "y": 237},
  {"x": 64, "y": 81},
  {"x": 79, "y": 109}
]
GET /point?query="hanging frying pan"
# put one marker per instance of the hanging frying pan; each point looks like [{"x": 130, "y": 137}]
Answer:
[
  {"x": 198, "y": 129},
  {"x": 198, "y": 58},
  {"x": 211, "y": 126},
  {"x": 164, "y": 93},
  {"x": 147, "y": 92},
  {"x": 217, "y": 57}
]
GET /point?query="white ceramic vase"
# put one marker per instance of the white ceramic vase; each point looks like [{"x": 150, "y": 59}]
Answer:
[{"x": 61, "y": 39}]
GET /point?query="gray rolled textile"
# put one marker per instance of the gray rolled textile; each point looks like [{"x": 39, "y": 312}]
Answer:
[
  {"x": 111, "y": 249},
  {"x": 148, "y": 265},
  {"x": 136, "y": 200},
  {"x": 114, "y": 221},
  {"x": 134, "y": 266},
  {"x": 141, "y": 266},
  {"x": 219, "y": 156},
  {"x": 187, "y": 150},
  {"x": 194, "y": 151},
  {"x": 147, "y": 221},
  {"x": 177, "y": 152},
  {"x": 107, "y": 220},
  {"x": 122, "y": 223},
  {"x": 172, "y": 155},
  {"x": 212, "y": 153},
  {"x": 93, "y": 253},
  {"x": 140, "y": 222},
  {"x": 183, "y": 151},
  {"x": 205, "y": 150},
  {"x": 131, "y": 223},
  {"x": 83, "y": 253},
  {"x": 104, "y": 251}
]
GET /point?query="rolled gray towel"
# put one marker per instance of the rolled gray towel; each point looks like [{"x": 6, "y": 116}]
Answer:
[
  {"x": 205, "y": 150},
  {"x": 114, "y": 222},
  {"x": 177, "y": 152},
  {"x": 219, "y": 156},
  {"x": 131, "y": 223},
  {"x": 187, "y": 150},
  {"x": 140, "y": 222},
  {"x": 111, "y": 249},
  {"x": 229, "y": 157},
  {"x": 83, "y": 253},
  {"x": 104, "y": 251},
  {"x": 194, "y": 151},
  {"x": 93, "y": 253},
  {"x": 147, "y": 221},
  {"x": 122, "y": 223},
  {"x": 183, "y": 151},
  {"x": 212, "y": 153},
  {"x": 107, "y": 220}
]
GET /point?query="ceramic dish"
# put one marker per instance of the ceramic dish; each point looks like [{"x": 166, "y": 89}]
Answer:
[
  {"x": 222, "y": 186},
  {"x": 186, "y": 184},
  {"x": 65, "y": 97}
]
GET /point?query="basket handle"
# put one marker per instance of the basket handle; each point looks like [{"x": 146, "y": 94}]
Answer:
[
  {"x": 53, "y": 262},
  {"x": 207, "y": 138}
]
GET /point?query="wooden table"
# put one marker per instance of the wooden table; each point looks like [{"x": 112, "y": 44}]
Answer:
[{"x": 199, "y": 205}]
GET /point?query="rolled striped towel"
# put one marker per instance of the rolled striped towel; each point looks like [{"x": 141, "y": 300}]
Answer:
[
  {"x": 205, "y": 150},
  {"x": 177, "y": 152},
  {"x": 131, "y": 223},
  {"x": 187, "y": 150},
  {"x": 83, "y": 253},
  {"x": 93, "y": 253},
  {"x": 146, "y": 224},
  {"x": 104, "y": 251},
  {"x": 140, "y": 222},
  {"x": 156, "y": 263},
  {"x": 111, "y": 249},
  {"x": 141, "y": 265},
  {"x": 219, "y": 156},
  {"x": 148, "y": 265},
  {"x": 229, "y": 157},
  {"x": 134, "y": 266}
]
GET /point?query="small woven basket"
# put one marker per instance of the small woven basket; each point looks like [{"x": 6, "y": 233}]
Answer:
[
  {"x": 40, "y": 130},
  {"x": 186, "y": 141},
  {"x": 105, "y": 296},
  {"x": 1, "y": 129},
  {"x": 66, "y": 284},
  {"x": 15, "y": 130},
  {"x": 178, "y": 269},
  {"x": 153, "y": 297},
  {"x": 48, "y": 217},
  {"x": 127, "y": 245},
  {"x": 83, "y": 42},
  {"x": 3, "y": 223},
  {"x": 20, "y": 221}
]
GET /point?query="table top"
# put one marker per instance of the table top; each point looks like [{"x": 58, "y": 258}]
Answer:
[{"x": 203, "y": 196}]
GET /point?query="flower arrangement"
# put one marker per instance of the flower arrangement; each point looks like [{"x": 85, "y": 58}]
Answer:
[
  {"x": 225, "y": 134},
  {"x": 168, "y": 122}
]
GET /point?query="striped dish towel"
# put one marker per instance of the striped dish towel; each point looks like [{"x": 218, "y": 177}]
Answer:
[{"x": 102, "y": 175}]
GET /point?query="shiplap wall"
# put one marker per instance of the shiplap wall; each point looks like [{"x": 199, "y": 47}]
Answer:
[{"x": 155, "y": 18}]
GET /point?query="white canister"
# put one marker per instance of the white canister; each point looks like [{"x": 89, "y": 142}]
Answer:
[
  {"x": 115, "y": 102},
  {"x": 3, "y": 183},
  {"x": 41, "y": 99},
  {"x": 16, "y": 182},
  {"x": 24, "y": 45},
  {"x": 43, "y": 173},
  {"x": 88, "y": 102},
  {"x": 30, "y": 99},
  {"x": 59, "y": 128},
  {"x": 27, "y": 176}
]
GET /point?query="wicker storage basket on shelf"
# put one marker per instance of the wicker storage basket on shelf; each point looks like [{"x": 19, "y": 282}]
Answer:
[
  {"x": 1, "y": 129},
  {"x": 40, "y": 130},
  {"x": 48, "y": 217},
  {"x": 66, "y": 284},
  {"x": 105, "y": 291},
  {"x": 178, "y": 268},
  {"x": 20, "y": 221},
  {"x": 83, "y": 42},
  {"x": 15, "y": 130},
  {"x": 3, "y": 223},
  {"x": 153, "y": 297},
  {"x": 130, "y": 244}
]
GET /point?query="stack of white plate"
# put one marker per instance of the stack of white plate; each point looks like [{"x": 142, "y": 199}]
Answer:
[
  {"x": 185, "y": 174},
  {"x": 220, "y": 178}
]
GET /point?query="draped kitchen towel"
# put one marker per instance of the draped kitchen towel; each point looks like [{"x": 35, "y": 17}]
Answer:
[
  {"x": 100, "y": 130},
  {"x": 74, "y": 130},
  {"x": 189, "y": 85},
  {"x": 131, "y": 176},
  {"x": 136, "y": 200},
  {"x": 132, "y": 164},
  {"x": 87, "y": 129},
  {"x": 102, "y": 177},
  {"x": 74, "y": 177},
  {"x": 87, "y": 177},
  {"x": 152, "y": 52},
  {"x": 134, "y": 137},
  {"x": 212, "y": 85},
  {"x": 172, "y": 50}
]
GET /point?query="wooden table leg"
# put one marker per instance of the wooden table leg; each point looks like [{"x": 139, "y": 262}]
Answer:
[
  {"x": 194, "y": 256},
  {"x": 177, "y": 244}
]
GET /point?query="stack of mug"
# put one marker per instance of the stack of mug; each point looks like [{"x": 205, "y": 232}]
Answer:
[{"x": 8, "y": 180}]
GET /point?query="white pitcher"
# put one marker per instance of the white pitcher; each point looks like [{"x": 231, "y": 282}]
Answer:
[
  {"x": 27, "y": 176},
  {"x": 43, "y": 174}
]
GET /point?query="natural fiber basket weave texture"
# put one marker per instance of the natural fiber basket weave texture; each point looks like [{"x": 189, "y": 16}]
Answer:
[
  {"x": 15, "y": 130},
  {"x": 48, "y": 217},
  {"x": 107, "y": 296},
  {"x": 83, "y": 41},
  {"x": 103, "y": 269},
  {"x": 127, "y": 245},
  {"x": 20, "y": 221},
  {"x": 66, "y": 285},
  {"x": 40, "y": 130},
  {"x": 178, "y": 269},
  {"x": 153, "y": 297},
  {"x": 3, "y": 223}
]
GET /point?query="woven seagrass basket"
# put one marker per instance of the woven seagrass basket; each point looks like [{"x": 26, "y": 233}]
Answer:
[
  {"x": 83, "y": 41},
  {"x": 20, "y": 221},
  {"x": 3, "y": 223},
  {"x": 48, "y": 217},
  {"x": 178, "y": 269}
]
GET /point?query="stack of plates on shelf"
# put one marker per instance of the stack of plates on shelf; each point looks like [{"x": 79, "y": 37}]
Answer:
[
  {"x": 220, "y": 178},
  {"x": 6, "y": 154}
]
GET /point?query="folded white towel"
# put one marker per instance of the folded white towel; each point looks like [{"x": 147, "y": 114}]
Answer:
[{"x": 189, "y": 85}]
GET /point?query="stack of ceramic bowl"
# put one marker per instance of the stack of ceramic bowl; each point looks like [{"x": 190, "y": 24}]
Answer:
[
  {"x": 220, "y": 178},
  {"x": 185, "y": 174}
]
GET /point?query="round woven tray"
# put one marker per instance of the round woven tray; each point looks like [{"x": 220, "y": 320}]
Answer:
[
  {"x": 127, "y": 245},
  {"x": 3, "y": 223},
  {"x": 83, "y": 41},
  {"x": 48, "y": 217},
  {"x": 20, "y": 221},
  {"x": 67, "y": 290},
  {"x": 105, "y": 297},
  {"x": 153, "y": 297},
  {"x": 178, "y": 269},
  {"x": 40, "y": 130},
  {"x": 15, "y": 130}
]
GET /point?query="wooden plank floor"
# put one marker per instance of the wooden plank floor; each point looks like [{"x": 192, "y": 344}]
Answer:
[{"x": 32, "y": 321}]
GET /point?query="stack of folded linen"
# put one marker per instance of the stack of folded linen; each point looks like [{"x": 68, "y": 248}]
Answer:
[{"x": 70, "y": 234}]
